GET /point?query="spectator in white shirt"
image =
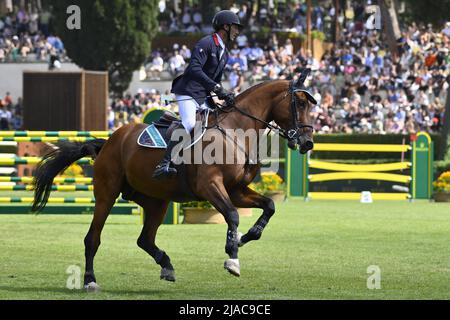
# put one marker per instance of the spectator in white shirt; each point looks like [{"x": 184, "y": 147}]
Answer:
[
  {"x": 176, "y": 64},
  {"x": 5, "y": 118},
  {"x": 185, "y": 52},
  {"x": 156, "y": 67}
]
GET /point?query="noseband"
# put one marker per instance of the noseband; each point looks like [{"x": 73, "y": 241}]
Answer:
[{"x": 297, "y": 127}]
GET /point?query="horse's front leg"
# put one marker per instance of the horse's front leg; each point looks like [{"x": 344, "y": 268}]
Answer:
[
  {"x": 247, "y": 198},
  {"x": 217, "y": 195}
]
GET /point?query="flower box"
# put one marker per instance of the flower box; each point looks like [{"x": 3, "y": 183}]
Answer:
[
  {"x": 441, "y": 197},
  {"x": 276, "y": 196},
  {"x": 442, "y": 188},
  {"x": 202, "y": 216},
  {"x": 210, "y": 215}
]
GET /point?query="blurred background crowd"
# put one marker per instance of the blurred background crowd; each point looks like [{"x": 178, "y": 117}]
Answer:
[
  {"x": 361, "y": 87},
  {"x": 25, "y": 37}
]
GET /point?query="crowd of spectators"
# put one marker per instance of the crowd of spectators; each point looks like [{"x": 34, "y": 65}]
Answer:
[
  {"x": 10, "y": 113},
  {"x": 132, "y": 107},
  {"x": 274, "y": 17},
  {"x": 360, "y": 86},
  {"x": 190, "y": 20},
  {"x": 25, "y": 36}
]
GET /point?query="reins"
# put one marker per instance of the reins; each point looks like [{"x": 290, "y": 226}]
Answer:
[{"x": 289, "y": 134}]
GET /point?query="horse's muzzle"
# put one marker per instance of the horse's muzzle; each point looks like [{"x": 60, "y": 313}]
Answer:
[{"x": 306, "y": 144}]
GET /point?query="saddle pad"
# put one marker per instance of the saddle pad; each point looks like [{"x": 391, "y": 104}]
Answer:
[{"x": 151, "y": 138}]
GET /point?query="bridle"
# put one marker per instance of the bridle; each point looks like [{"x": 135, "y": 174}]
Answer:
[
  {"x": 292, "y": 134},
  {"x": 297, "y": 127}
]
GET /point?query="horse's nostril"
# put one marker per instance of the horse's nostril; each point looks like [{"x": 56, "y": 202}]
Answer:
[
  {"x": 292, "y": 145},
  {"x": 309, "y": 145}
]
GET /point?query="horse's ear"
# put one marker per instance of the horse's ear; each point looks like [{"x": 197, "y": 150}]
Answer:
[{"x": 304, "y": 73}]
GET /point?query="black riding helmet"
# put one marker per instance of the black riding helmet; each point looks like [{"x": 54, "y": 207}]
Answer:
[{"x": 226, "y": 17}]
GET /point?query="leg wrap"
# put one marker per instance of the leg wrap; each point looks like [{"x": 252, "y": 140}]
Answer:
[
  {"x": 158, "y": 255},
  {"x": 231, "y": 246}
]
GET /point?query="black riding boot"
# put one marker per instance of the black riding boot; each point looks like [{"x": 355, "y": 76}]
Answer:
[{"x": 163, "y": 170}]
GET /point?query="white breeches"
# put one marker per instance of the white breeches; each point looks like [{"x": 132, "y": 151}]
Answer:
[{"x": 188, "y": 109}]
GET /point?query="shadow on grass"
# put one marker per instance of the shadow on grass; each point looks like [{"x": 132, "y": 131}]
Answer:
[
  {"x": 41, "y": 289},
  {"x": 78, "y": 292}
]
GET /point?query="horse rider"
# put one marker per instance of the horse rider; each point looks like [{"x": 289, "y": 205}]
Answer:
[{"x": 202, "y": 76}]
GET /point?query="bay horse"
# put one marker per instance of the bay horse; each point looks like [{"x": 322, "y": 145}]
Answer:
[{"x": 121, "y": 164}]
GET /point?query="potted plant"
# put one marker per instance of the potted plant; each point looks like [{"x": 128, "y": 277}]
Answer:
[
  {"x": 442, "y": 188},
  {"x": 199, "y": 212},
  {"x": 271, "y": 185}
]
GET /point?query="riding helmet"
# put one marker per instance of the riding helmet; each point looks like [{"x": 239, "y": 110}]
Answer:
[{"x": 226, "y": 17}]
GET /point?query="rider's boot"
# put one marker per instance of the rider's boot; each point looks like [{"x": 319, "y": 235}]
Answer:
[{"x": 164, "y": 170}]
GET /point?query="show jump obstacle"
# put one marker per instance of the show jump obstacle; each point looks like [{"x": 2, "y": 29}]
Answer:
[{"x": 419, "y": 181}]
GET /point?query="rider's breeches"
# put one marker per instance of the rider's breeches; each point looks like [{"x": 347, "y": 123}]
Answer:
[{"x": 188, "y": 108}]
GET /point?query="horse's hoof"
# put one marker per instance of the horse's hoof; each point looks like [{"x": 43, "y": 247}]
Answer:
[
  {"x": 92, "y": 287},
  {"x": 239, "y": 238},
  {"x": 168, "y": 275},
  {"x": 232, "y": 265}
]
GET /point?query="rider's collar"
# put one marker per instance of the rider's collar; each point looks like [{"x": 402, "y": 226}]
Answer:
[{"x": 218, "y": 40}]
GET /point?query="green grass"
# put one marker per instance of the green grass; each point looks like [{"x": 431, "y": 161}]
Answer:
[{"x": 314, "y": 250}]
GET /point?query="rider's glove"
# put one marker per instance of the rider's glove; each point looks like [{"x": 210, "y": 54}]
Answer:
[{"x": 224, "y": 94}]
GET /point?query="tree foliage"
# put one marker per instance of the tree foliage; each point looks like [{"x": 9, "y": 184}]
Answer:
[
  {"x": 115, "y": 36},
  {"x": 434, "y": 12}
]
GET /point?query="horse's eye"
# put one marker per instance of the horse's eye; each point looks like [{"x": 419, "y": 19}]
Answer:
[{"x": 302, "y": 104}]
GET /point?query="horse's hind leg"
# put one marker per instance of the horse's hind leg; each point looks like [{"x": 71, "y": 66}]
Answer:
[
  {"x": 154, "y": 212},
  {"x": 106, "y": 191}
]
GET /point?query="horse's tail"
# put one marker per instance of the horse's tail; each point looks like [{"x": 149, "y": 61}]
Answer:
[{"x": 56, "y": 162}]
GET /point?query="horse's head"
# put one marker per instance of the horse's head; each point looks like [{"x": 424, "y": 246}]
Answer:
[{"x": 293, "y": 114}]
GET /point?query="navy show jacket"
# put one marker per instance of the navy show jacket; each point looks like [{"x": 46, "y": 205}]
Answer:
[{"x": 204, "y": 71}]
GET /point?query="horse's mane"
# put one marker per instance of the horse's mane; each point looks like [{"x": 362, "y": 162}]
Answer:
[{"x": 244, "y": 94}]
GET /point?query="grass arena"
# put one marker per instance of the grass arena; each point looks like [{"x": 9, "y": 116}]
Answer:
[{"x": 319, "y": 250}]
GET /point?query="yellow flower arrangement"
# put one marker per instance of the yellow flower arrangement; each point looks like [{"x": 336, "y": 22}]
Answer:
[
  {"x": 442, "y": 184},
  {"x": 73, "y": 171},
  {"x": 270, "y": 182},
  {"x": 197, "y": 204}
]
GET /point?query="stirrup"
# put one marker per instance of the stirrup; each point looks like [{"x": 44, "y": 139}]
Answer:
[{"x": 163, "y": 171}]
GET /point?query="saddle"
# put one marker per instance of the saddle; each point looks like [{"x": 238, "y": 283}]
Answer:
[
  {"x": 166, "y": 119},
  {"x": 158, "y": 134}
]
